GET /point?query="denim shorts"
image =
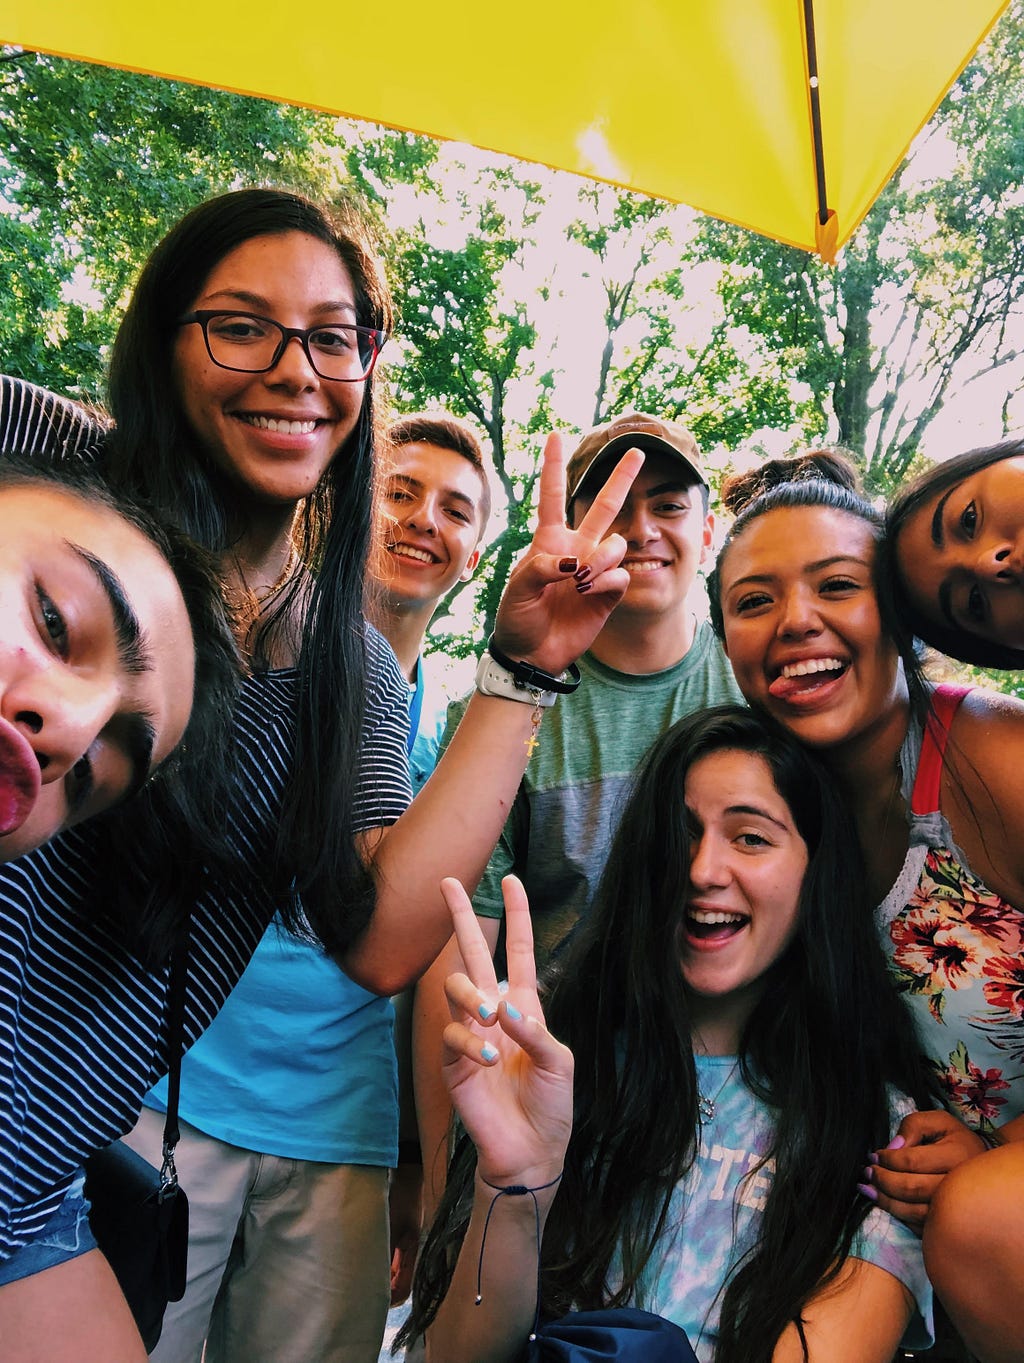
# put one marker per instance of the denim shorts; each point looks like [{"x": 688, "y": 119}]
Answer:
[{"x": 65, "y": 1236}]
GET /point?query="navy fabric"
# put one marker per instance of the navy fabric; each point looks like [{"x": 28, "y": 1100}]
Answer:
[{"x": 626, "y": 1335}]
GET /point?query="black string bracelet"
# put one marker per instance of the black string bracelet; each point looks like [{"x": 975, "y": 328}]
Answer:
[{"x": 513, "y": 1190}]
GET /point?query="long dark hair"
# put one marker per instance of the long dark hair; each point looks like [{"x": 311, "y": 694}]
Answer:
[
  {"x": 825, "y": 1038},
  {"x": 910, "y": 499},
  {"x": 154, "y": 454},
  {"x": 149, "y": 880}
]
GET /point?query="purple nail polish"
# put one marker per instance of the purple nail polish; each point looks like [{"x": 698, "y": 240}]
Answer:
[
  {"x": 872, "y": 1158},
  {"x": 867, "y": 1173},
  {"x": 870, "y": 1193},
  {"x": 897, "y": 1143}
]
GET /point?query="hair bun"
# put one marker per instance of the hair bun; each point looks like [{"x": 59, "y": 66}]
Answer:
[{"x": 829, "y": 466}]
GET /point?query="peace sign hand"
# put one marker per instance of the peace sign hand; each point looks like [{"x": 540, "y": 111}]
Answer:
[
  {"x": 547, "y": 616},
  {"x": 509, "y": 1079}
]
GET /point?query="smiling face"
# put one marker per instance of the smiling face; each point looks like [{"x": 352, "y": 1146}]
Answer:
[
  {"x": 747, "y": 864},
  {"x": 96, "y": 662},
  {"x": 432, "y": 500},
  {"x": 273, "y": 434},
  {"x": 667, "y": 534},
  {"x": 961, "y": 555},
  {"x": 802, "y": 626}
]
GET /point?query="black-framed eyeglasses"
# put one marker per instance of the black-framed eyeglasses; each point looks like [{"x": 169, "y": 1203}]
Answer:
[{"x": 250, "y": 344}]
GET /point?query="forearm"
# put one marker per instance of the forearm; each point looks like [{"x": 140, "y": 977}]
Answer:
[
  {"x": 450, "y": 829},
  {"x": 433, "y": 1104},
  {"x": 858, "y": 1318},
  {"x": 1012, "y": 1131},
  {"x": 495, "y": 1330}
]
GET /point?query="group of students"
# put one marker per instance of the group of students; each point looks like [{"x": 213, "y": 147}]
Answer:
[{"x": 759, "y": 1125}]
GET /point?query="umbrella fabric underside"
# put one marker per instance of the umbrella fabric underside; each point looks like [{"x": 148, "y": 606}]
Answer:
[{"x": 704, "y": 102}]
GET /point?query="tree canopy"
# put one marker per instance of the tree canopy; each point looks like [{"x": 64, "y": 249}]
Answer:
[{"x": 530, "y": 299}]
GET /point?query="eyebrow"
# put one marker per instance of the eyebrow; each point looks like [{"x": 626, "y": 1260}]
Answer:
[
  {"x": 815, "y": 567},
  {"x": 758, "y": 813},
  {"x": 451, "y": 493},
  {"x": 946, "y": 602},
  {"x": 673, "y": 485},
  {"x": 938, "y": 534},
  {"x": 255, "y": 300},
  {"x": 135, "y": 657}
]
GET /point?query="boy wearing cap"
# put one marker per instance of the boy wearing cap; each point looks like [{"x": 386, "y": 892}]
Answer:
[{"x": 652, "y": 663}]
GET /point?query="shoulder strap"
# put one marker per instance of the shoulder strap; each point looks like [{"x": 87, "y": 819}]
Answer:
[
  {"x": 945, "y": 701},
  {"x": 175, "y": 1043}
]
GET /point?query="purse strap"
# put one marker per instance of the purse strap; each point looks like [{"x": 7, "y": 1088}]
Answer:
[{"x": 175, "y": 1042}]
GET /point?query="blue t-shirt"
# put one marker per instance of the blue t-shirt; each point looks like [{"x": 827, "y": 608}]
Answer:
[
  {"x": 428, "y": 712},
  {"x": 713, "y": 1219},
  {"x": 300, "y": 1062}
]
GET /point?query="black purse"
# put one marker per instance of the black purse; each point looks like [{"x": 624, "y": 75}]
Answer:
[{"x": 138, "y": 1214}]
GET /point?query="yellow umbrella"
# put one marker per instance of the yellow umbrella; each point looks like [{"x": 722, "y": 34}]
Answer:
[{"x": 713, "y": 103}]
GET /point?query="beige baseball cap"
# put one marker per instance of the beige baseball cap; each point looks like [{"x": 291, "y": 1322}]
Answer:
[{"x": 636, "y": 430}]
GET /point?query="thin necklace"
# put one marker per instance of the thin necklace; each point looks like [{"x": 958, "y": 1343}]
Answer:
[
  {"x": 708, "y": 1106},
  {"x": 264, "y": 594}
]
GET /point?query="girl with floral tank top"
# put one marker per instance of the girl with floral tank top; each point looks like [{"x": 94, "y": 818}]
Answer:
[{"x": 801, "y": 596}]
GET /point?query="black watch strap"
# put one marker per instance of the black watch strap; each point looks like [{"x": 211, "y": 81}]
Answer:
[{"x": 532, "y": 678}]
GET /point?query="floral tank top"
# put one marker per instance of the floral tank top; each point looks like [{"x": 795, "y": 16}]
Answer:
[{"x": 956, "y": 948}]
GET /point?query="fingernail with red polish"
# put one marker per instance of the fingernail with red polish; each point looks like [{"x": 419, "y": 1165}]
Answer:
[
  {"x": 867, "y": 1191},
  {"x": 568, "y": 565},
  {"x": 583, "y": 573},
  {"x": 582, "y": 587}
]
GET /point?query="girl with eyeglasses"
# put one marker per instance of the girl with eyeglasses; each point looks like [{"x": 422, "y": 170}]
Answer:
[{"x": 243, "y": 392}]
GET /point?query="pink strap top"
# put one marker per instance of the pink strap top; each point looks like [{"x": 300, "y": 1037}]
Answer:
[{"x": 945, "y": 702}]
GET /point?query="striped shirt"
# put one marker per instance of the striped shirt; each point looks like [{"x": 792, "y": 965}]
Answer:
[
  {"x": 82, "y": 1021},
  {"x": 36, "y": 422}
]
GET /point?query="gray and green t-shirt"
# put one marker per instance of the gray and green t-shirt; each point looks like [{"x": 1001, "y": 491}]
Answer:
[{"x": 557, "y": 836}]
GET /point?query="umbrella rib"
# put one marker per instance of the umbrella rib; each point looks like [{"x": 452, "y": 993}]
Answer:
[{"x": 812, "y": 82}]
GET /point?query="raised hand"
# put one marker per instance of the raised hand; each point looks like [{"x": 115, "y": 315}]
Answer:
[
  {"x": 509, "y": 1079},
  {"x": 544, "y": 618}
]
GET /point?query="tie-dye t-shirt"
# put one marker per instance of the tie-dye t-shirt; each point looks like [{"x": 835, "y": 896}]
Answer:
[{"x": 726, "y": 1191}]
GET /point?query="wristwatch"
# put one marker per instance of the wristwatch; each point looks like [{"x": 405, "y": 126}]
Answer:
[
  {"x": 494, "y": 680},
  {"x": 499, "y": 675}
]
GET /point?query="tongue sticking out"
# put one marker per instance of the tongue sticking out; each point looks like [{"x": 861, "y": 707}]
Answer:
[
  {"x": 782, "y": 688},
  {"x": 710, "y": 932},
  {"x": 19, "y": 779}
]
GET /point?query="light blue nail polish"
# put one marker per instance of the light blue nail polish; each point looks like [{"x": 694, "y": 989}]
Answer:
[
  {"x": 503, "y": 987},
  {"x": 513, "y": 1011},
  {"x": 486, "y": 1011},
  {"x": 488, "y": 1052}
]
